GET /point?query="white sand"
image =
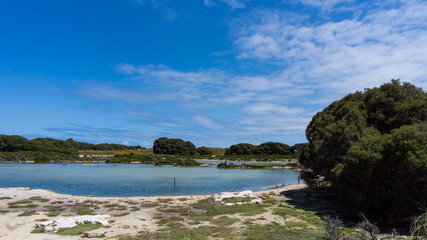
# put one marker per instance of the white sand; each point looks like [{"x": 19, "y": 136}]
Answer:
[{"x": 15, "y": 227}]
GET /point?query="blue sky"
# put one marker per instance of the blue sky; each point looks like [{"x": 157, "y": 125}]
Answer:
[{"x": 215, "y": 72}]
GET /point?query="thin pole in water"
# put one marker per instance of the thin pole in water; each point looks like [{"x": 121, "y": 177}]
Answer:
[{"x": 174, "y": 185}]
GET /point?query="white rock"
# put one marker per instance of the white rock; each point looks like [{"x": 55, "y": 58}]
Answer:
[
  {"x": 229, "y": 204},
  {"x": 49, "y": 228},
  {"x": 43, "y": 224},
  {"x": 91, "y": 234},
  {"x": 65, "y": 223},
  {"x": 89, "y": 219},
  {"x": 70, "y": 222},
  {"x": 226, "y": 195},
  {"x": 256, "y": 201}
]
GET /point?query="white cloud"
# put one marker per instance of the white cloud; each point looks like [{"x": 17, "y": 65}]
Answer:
[
  {"x": 324, "y": 4},
  {"x": 233, "y": 4},
  {"x": 124, "y": 68},
  {"x": 207, "y": 122},
  {"x": 342, "y": 56},
  {"x": 125, "y": 143}
]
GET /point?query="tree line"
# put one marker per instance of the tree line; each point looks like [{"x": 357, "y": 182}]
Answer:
[
  {"x": 176, "y": 146},
  {"x": 42, "y": 149}
]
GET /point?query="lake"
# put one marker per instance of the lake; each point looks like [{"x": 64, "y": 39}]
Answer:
[{"x": 140, "y": 179}]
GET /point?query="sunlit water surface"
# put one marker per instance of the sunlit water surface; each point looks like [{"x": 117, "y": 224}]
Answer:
[{"x": 140, "y": 179}]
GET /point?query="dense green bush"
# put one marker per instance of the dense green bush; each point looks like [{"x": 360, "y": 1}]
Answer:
[
  {"x": 266, "y": 149},
  {"x": 204, "y": 151},
  {"x": 241, "y": 149},
  {"x": 173, "y": 146},
  {"x": 371, "y": 145}
]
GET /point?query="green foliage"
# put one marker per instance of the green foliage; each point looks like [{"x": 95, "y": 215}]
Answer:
[
  {"x": 270, "y": 148},
  {"x": 419, "y": 226},
  {"x": 241, "y": 149},
  {"x": 42, "y": 150},
  {"x": 371, "y": 145},
  {"x": 265, "y": 149},
  {"x": 213, "y": 208},
  {"x": 276, "y": 231},
  {"x": 38, "y": 230},
  {"x": 13, "y": 143},
  {"x": 158, "y": 160},
  {"x": 204, "y": 151},
  {"x": 173, "y": 146},
  {"x": 78, "y": 230}
]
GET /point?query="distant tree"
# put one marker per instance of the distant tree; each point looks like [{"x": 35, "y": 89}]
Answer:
[
  {"x": 174, "y": 146},
  {"x": 13, "y": 143},
  {"x": 203, "y": 151},
  {"x": 241, "y": 149},
  {"x": 271, "y": 148}
]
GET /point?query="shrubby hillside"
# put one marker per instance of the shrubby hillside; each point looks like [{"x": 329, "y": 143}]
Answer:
[
  {"x": 173, "y": 146},
  {"x": 268, "y": 148},
  {"x": 372, "y": 147}
]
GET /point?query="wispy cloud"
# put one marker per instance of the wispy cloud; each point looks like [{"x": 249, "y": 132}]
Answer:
[
  {"x": 346, "y": 55},
  {"x": 325, "y": 4},
  {"x": 309, "y": 64},
  {"x": 233, "y": 4},
  {"x": 206, "y": 122}
]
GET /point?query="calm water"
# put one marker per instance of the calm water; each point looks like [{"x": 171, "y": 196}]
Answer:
[
  {"x": 240, "y": 162},
  {"x": 139, "y": 179}
]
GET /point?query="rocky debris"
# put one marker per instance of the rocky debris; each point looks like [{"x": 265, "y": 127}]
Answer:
[
  {"x": 43, "y": 224},
  {"x": 92, "y": 234},
  {"x": 53, "y": 226},
  {"x": 95, "y": 219},
  {"x": 256, "y": 201},
  {"x": 227, "y": 195}
]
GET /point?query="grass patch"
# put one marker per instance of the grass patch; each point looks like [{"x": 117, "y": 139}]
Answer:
[
  {"x": 118, "y": 208},
  {"x": 120, "y": 214},
  {"x": 150, "y": 204},
  {"x": 94, "y": 202},
  {"x": 83, "y": 210},
  {"x": 164, "y": 221},
  {"x": 308, "y": 216},
  {"x": 24, "y": 206},
  {"x": 270, "y": 200},
  {"x": 42, "y": 220},
  {"x": 175, "y": 225},
  {"x": 278, "y": 232},
  {"x": 199, "y": 233},
  {"x": 293, "y": 224},
  {"x": 38, "y": 230},
  {"x": 224, "y": 221},
  {"x": 4, "y": 198},
  {"x": 27, "y": 213},
  {"x": 57, "y": 202},
  {"x": 78, "y": 230},
  {"x": 54, "y": 208},
  {"x": 53, "y": 214},
  {"x": 213, "y": 208},
  {"x": 20, "y": 202},
  {"x": 4, "y": 211},
  {"x": 39, "y": 199}
]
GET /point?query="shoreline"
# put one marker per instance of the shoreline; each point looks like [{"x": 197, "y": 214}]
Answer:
[
  {"x": 27, "y": 189},
  {"x": 128, "y": 215}
]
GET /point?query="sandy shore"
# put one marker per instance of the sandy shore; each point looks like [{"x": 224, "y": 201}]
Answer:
[{"x": 129, "y": 215}]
